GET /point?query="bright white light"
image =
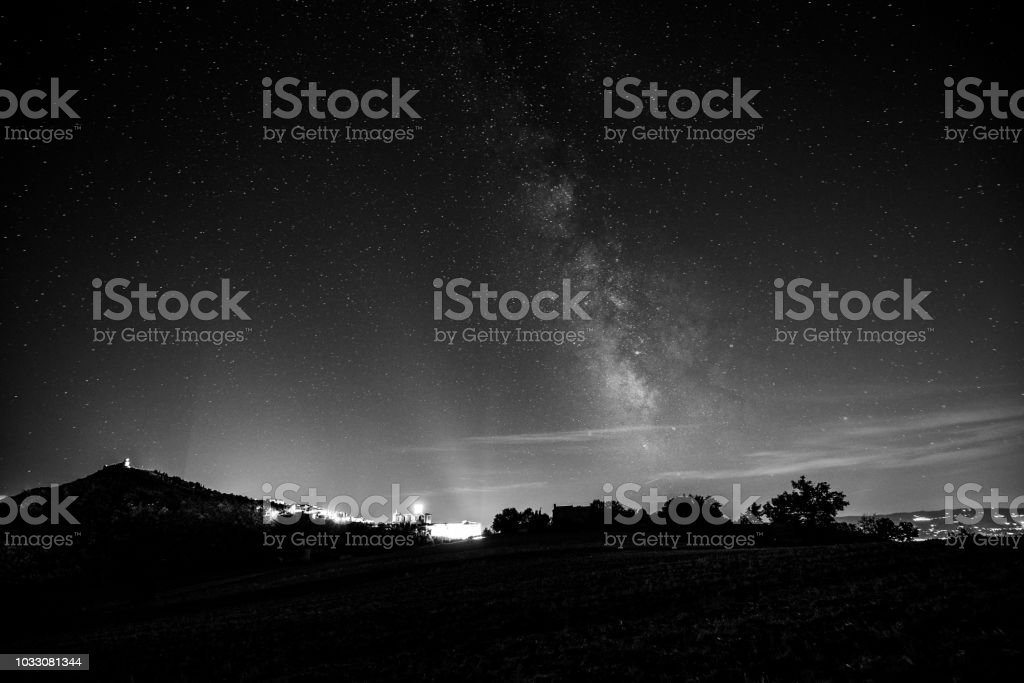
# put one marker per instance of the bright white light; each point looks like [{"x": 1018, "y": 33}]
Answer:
[
  {"x": 456, "y": 531},
  {"x": 417, "y": 509}
]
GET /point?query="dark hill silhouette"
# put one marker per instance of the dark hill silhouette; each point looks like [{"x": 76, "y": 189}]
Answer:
[
  {"x": 117, "y": 491},
  {"x": 153, "y": 523},
  {"x": 138, "y": 526}
]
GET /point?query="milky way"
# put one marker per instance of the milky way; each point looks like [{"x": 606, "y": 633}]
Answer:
[{"x": 513, "y": 176}]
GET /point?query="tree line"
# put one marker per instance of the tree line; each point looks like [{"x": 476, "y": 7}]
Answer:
[{"x": 808, "y": 507}]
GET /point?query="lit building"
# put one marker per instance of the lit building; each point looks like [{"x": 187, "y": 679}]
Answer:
[{"x": 414, "y": 518}]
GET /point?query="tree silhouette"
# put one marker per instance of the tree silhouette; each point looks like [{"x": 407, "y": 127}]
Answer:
[
  {"x": 507, "y": 521},
  {"x": 510, "y": 521},
  {"x": 535, "y": 520},
  {"x": 809, "y": 504},
  {"x": 882, "y": 528},
  {"x": 885, "y": 529},
  {"x": 692, "y": 507},
  {"x": 612, "y": 510},
  {"x": 906, "y": 531}
]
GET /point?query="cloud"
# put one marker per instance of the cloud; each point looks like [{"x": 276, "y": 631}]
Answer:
[
  {"x": 934, "y": 438},
  {"x": 577, "y": 436},
  {"x": 561, "y": 441},
  {"x": 498, "y": 488}
]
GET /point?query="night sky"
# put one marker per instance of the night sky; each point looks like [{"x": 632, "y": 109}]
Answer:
[{"x": 508, "y": 180}]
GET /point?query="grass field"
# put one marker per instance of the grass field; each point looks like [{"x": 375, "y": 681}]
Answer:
[{"x": 543, "y": 610}]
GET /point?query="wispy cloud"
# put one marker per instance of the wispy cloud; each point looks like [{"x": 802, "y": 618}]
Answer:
[
  {"x": 487, "y": 489},
  {"x": 576, "y": 436},
  {"x": 934, "y": 438},
  {"x": 854, "y": 393},
  {"x": 565, "y": 438}
]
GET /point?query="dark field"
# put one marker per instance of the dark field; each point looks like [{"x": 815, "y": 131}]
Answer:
[{"x": 544, "y": 610}]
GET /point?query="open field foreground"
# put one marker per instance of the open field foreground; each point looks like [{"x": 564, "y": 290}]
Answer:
[{"x": 546, "y": 610}]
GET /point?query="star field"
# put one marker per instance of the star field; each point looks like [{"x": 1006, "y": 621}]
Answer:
[{"x": 509, "y": 180}]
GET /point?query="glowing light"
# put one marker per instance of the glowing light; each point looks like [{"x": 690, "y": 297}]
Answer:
[
  {"x": 456, "y": 531},
  {"x": 417, "y": 509}
]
